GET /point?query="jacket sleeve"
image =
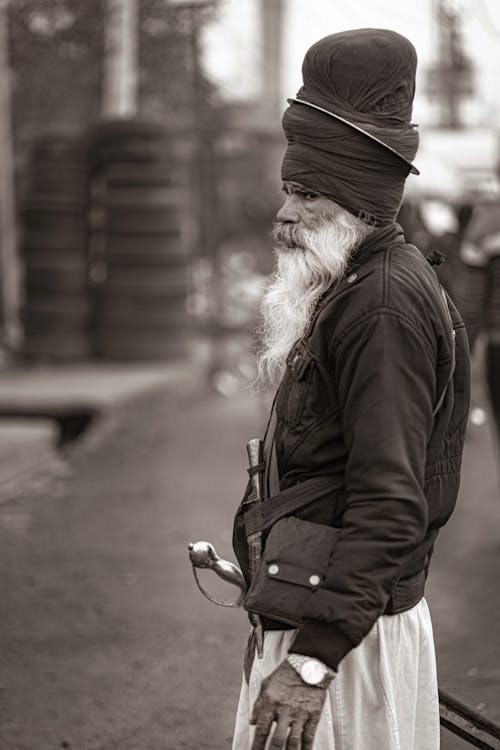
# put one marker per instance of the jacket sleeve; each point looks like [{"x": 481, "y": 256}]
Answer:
[{"x": 385, "y": 375}]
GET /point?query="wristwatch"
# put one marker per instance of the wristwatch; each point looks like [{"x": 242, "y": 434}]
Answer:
[{"x": 312, "y": 671}]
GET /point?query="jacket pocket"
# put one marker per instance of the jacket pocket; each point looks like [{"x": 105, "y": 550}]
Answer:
[
  {"x": 292, "y": 391},
  {"x": 294, "y": 564}
]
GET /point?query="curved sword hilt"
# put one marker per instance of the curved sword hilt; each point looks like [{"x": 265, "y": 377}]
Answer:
[{"x": 203, "y": 555}]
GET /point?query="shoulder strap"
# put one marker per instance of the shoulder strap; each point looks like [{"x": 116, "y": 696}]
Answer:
[
  {"x": 262, "y": 516},
  {"x": 453, "y": 356}
]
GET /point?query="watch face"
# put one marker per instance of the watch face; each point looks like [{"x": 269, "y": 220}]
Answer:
[{"x": 312, "y": 672}]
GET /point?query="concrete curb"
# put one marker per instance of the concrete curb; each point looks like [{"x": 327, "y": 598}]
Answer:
[
  {"x": 181, "y": 385},
  {"x": 30, "y": 461}
]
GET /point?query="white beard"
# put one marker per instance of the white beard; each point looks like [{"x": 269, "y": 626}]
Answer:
[{"x": 309, "y": 262}]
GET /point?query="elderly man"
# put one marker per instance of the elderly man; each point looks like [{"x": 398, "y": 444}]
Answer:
[{"x": 371, "y": 363}]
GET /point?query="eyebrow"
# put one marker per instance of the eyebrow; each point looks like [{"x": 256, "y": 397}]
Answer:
[{"x": 294, "y": 187}]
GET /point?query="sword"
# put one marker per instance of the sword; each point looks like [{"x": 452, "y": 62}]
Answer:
[
  {"x": 256, "y": 471},
  {"x": 203, "y": 554}
]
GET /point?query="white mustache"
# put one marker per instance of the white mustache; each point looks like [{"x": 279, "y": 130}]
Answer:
[{"x": 288, "y": 235}]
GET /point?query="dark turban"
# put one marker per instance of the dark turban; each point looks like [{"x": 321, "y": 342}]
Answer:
[{"x": 349, "y": 131}]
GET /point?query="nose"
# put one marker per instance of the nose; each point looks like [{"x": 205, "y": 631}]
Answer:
[{"x": 289, "y": 213}]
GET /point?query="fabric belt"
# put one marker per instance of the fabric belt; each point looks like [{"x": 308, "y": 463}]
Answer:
[{"x": 261, "y": 516}]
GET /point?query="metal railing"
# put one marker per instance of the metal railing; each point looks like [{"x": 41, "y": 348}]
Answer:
[{"x": 467, "y": 723}]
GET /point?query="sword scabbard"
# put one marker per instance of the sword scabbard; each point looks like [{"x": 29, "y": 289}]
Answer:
[
  {"x": 256, "y": 467},
  {"x": 256, "y": 471}
]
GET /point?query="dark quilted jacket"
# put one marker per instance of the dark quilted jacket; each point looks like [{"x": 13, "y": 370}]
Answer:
[{"x": 357, "y": 402}]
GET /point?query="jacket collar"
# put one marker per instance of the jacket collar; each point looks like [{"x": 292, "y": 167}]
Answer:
[{"x": 378, "y": 240}]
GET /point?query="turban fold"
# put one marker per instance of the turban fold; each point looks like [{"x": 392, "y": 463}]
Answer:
[{"x": 349, "y": 132}]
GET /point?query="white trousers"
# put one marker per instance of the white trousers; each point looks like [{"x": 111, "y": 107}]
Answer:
[{"x": 384, "y": 696}]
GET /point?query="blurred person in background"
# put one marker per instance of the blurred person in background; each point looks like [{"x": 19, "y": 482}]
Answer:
[
  {"x": 435, "y": 224},
  {"x": 478, "y": 293},
  {"x": 371, "y": 363}
]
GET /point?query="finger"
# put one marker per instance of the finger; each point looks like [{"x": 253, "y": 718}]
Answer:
[
  {"x": 308, "y": 734},
  {"x": 260, "y": 703},
  {"x": 262, "y": 730},
  {"x": 256, "y": 710},
  {"x": 294, "y": 741},
  {"x": 280, "y": 732}
]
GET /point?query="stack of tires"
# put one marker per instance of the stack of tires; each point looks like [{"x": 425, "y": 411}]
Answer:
[
  {"x": 138, "y": 253},
  {"x": 56, "y": 309}
]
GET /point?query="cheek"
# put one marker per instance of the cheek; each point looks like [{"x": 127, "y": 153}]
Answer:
[{"x": 313, "y": 212}]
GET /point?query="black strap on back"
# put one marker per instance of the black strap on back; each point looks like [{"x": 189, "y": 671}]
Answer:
[{"x": 453, "y": 356}]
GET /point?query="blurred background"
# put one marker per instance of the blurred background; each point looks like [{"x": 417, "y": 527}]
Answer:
[{"x": 140, "y": 151}]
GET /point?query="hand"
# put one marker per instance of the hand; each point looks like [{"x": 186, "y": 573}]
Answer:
[{"x": 287, "y": 700}]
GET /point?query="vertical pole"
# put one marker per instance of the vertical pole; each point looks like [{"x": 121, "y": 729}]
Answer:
[
  {"x": 271, "y": 20},
  {"x": 206, "y": 193},
  {"x": 450, "y": 24},
  {"x": 205, "y": 147},
  {"x": 453, "y": 65},
  {"x": 9, "y": 266},
  {"x": 121, "y": 59}
]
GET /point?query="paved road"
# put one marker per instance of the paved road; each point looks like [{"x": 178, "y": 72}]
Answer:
[
  {"x": 104, "y": 640},
  {"x": 463, "y": 593}
]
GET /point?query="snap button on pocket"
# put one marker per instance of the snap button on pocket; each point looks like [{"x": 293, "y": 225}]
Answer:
[
  {"x": 314, "y": 580},
  {"x": 273, "y": 569}
]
